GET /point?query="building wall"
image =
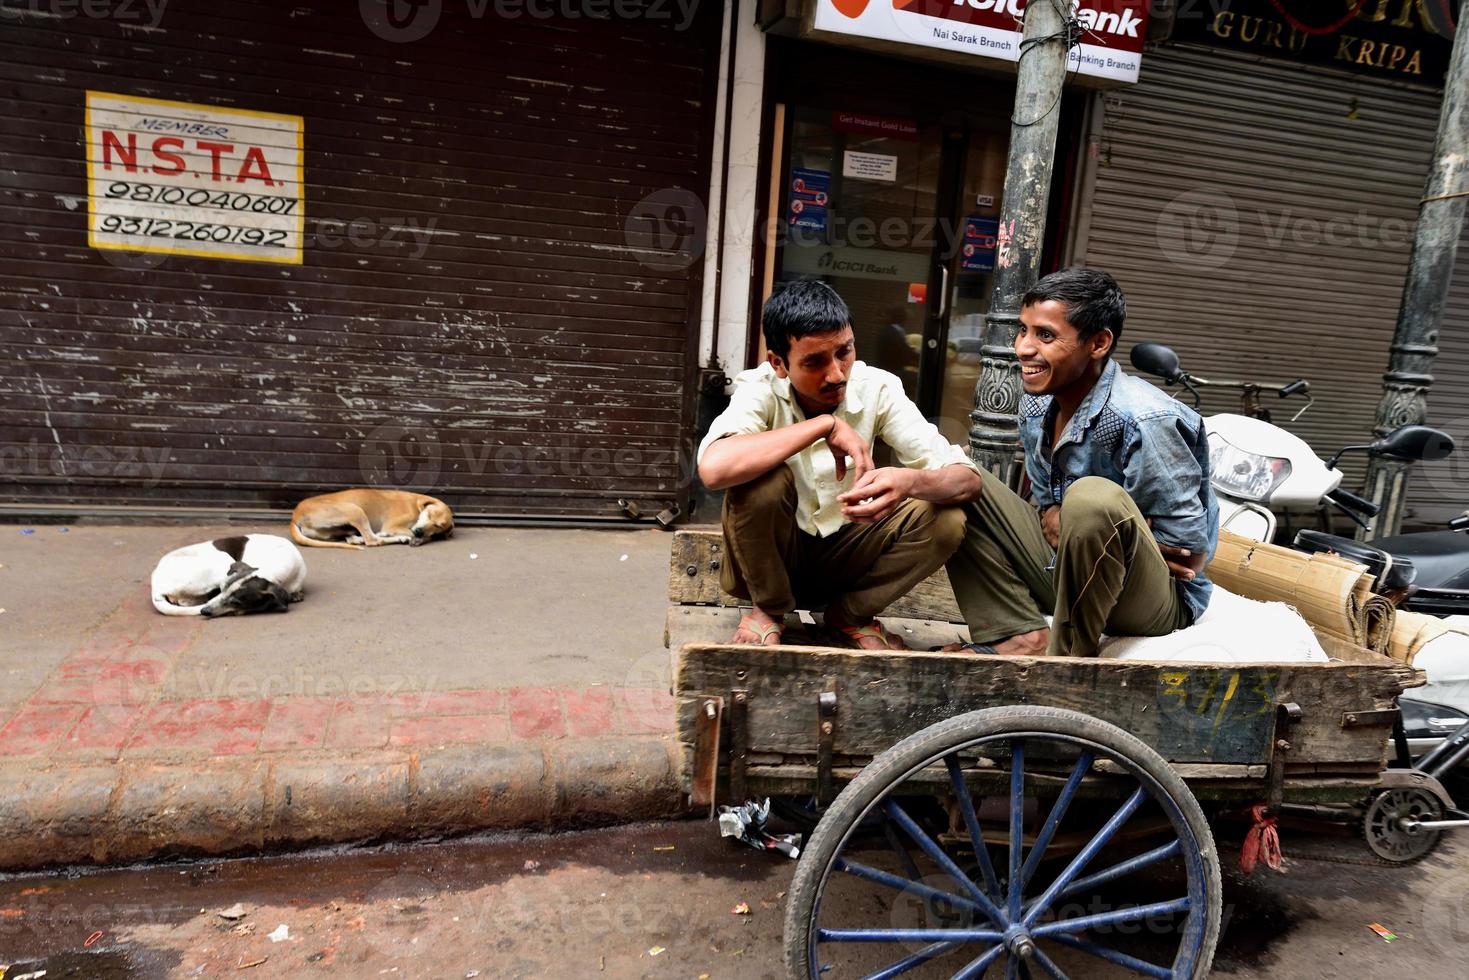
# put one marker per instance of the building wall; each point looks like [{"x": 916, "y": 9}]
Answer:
[{"x": 494, "y": 298}]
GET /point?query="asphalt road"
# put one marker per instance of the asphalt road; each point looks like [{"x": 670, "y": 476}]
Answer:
[{"x": 646, "y": 901}]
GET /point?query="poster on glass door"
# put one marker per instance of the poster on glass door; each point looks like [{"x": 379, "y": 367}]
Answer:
[
  {"x": 981, "y": 238},
  {"x": 1111, "y": 47},
  {"x": 810, "y": 197}
]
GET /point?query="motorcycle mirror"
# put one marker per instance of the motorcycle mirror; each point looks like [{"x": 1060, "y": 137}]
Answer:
[
  {"x": 1415, "y": 442},
  {"x": 1157, "y": 360}
]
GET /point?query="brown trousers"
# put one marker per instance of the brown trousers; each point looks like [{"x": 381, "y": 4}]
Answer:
[{"x": 860, "y": 570}]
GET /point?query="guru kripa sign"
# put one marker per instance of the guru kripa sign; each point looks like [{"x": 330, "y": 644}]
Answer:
[{"x": 1113, "y": 31}]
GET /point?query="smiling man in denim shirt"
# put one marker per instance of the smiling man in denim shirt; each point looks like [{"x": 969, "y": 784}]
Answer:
[{"x": 1120, "y": 474}]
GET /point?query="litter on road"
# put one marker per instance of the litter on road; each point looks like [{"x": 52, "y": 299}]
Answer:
[
  {"x": 746, "y": 824},
  {"x": 280, "y": 934},
  {"x": 235, "y": 911}
]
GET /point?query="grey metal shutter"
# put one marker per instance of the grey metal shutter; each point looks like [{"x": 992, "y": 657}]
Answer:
[
  {"x": 1217, "y": 177},
  {"x": 523, "y": 356},
  {"x": 1439, "y": 491}
]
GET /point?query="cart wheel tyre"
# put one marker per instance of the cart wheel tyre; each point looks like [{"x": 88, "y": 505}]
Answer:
[
  {"x": 1012, "y": 927},
  {"x": 1382, "y": 825}
]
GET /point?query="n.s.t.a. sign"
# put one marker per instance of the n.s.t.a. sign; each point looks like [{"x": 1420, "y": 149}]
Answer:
[
  {"x": 1111, "y": 45},
  {"x": 191, "y": 179}
]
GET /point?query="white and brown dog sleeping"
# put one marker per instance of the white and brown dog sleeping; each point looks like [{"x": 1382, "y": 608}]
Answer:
[
  {"x": 229, "y": 577},
  {"x": 368, "y": 518}
]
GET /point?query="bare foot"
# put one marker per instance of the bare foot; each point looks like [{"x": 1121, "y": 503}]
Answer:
[
  {"x": 1032, "y": 644},
  {"x": 758, "y": 628},
  {"x": 872, "y": 637}
]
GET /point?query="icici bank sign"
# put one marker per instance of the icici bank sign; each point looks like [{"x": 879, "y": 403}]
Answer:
[{"x": 1111, "y": 46}]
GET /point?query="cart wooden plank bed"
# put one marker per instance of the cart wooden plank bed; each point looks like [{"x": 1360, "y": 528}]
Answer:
[{"x": 1215, "y": 724}]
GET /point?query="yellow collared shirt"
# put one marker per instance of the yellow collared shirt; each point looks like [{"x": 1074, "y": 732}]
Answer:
[{"x": 875, "y": 405}]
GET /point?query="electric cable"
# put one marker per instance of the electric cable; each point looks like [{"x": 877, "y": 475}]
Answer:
[{"x": 1071, "y": 33}]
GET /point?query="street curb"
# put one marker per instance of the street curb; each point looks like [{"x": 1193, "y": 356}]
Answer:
[{"x": 132, "y": 811}]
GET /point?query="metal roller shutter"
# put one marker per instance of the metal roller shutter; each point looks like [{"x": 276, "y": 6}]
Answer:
[
  {"x": 1258, "y": 215},
  {"x": 497, "y": 329},
  {"x": 1439, "y": 491}
]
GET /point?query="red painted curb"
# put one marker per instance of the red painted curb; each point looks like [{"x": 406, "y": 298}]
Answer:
[{"x": 137, "y": 810}]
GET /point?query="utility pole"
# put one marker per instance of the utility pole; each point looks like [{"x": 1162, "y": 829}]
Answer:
[
  {"x": 994, "y": 440},
  {"x": 1430, "y": 266}
]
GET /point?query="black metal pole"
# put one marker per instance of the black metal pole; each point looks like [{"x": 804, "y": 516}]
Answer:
[
  {"x": 1446, "y": 755},
  {"x": 1430, "y": 267},
  {"x": 993, "y": 437}
]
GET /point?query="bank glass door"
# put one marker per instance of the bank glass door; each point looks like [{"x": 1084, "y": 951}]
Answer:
[
  {"x": 900, "y": 216},
  {"x": 860, "y": 208},
  {"x": 970, "y": 264}
]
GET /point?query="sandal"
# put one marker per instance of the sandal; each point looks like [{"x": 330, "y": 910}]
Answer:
[
  {"x": 874, "y": 629},
  {"x": 964, "y": 648},
  {"x": 763, "y": 632}
]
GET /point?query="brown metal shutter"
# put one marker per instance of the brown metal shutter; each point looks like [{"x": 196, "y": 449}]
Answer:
[
  {"x": 529, "y": 356},
  {"x": 1439, "y": 491},
  {"x": 1218, "y": 175}
]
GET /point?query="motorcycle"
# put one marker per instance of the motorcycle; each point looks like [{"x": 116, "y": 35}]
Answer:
[{"x": 1257, "y": 468}]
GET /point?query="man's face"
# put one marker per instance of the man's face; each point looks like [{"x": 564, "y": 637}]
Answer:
[
  {"x": 818, "y": 367},
  {"x": 1052, "y": 355}
]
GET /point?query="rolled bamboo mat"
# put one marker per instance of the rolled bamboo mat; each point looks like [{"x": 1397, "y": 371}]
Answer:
[
  {"x": 1333, "y": 594},
  {"x": 1380, "y": 616},
  {"x": 1411, "y": 631}
]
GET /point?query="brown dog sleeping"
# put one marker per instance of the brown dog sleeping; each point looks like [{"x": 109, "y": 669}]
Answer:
[{"x": 368, "y": 518}]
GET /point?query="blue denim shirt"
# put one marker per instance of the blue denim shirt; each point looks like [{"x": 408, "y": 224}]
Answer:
[{"x": 1133, "y": 434}]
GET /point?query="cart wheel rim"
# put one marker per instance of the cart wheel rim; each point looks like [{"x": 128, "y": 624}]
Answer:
[{"x": 1007, "y": 924}]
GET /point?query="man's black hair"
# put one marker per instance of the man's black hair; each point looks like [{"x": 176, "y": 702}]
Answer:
[
  {"x": 799, "y": 309},
  {"x": 1093, "y": 300}
]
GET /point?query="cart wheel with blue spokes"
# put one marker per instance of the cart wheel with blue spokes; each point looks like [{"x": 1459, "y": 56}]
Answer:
[{"x": 1035, "y": 841}]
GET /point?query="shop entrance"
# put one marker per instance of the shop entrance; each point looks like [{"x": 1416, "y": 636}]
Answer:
[{"x": 889, "y": 180}]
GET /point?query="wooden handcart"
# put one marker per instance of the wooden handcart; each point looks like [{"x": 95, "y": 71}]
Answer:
[{"x": 969, "y": 807}]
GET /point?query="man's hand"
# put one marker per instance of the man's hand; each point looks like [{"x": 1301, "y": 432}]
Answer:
[
  {"x": 1182, "y": 563},
  {"x": 876, "y": 493},
  {"x": 843, "y": 442},
  {"x": 1051, "y": 525}
]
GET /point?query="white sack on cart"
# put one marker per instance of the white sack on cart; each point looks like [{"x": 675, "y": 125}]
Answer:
[
  {"x": 1445, "y": 659},
  {"x": 1233, "y": 630}
]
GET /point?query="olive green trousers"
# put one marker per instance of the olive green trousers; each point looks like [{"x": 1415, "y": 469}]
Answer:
[{"x": 1107, "y": 574}]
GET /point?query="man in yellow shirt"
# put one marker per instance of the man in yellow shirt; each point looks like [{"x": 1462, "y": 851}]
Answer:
[{"x": 808, "y": 519}]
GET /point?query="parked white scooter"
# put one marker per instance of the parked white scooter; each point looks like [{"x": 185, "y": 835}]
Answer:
[{"x": 1256, "y": 468}]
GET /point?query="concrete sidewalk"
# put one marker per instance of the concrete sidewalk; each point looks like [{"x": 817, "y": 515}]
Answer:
[{"x": 503, "y": 678}]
